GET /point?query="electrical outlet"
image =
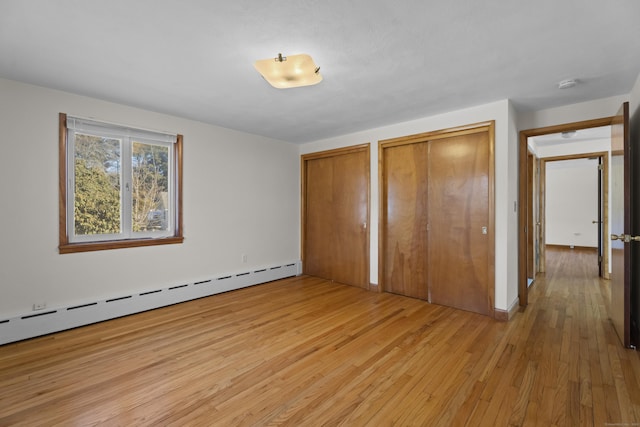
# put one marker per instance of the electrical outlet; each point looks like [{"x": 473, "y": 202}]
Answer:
[
  {"x": 244, "y": 257},
  {"x": 39, "y": 306}
]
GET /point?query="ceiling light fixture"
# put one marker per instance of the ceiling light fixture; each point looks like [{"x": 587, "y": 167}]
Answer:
[
  {"x": 568, "y": 83},
  {"x": 284, "y": 72}
]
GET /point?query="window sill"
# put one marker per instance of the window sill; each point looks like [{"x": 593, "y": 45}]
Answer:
[{"x": 117, "y": 244}]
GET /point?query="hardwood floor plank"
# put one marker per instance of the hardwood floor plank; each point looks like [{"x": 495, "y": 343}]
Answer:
[{"x": 306, "y": 351}]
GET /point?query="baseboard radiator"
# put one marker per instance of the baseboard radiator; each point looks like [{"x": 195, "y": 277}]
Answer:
[{"x": 51, "y": 320}]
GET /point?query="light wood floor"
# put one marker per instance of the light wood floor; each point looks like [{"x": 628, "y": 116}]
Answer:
[{"x": 304, "y": 351}]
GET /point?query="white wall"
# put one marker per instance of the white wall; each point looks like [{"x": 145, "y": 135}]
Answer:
[
  {"x": 571, "y": 148},
  {"x": 596, "y": 109},
  {"x": 572, "y": 202},
  {"x": 241, "y": 196},
  {"x": 506, "y": 182},
  {"x": 511, "y": 209}
]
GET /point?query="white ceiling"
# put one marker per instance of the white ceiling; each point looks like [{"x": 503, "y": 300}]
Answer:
[{"x": 382, "y": 61}]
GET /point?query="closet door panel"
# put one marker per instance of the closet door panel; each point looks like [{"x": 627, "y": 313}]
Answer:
[
  {"x": 336, "y": 196},
  {"x": 405, "y": 227},
  {"x": 350, "y": 211},
  {"x": 458, "y": 189},
  {"x": 319, "y": 218}
]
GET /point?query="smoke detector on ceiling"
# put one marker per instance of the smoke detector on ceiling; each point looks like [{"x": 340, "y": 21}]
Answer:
[{"x": 568, "y": 83}]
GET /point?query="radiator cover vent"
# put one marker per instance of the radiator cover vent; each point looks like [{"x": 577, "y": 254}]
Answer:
[{"x": 32, "y": 324}]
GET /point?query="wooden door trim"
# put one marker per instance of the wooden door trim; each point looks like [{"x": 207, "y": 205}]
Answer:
[
  {"x": 437, "y": 134},
  {"x": 531, "y": 158},
  {"x": 489, "y": 127},
  {"x": 522, "y": 191},
  {"x": 366, "y": 148},
  {"x": 542, "y": 215},
  {"x": 491, "y": 259},
  {"x": 538, "y": 218},
  {"x": 336, "y": 152}
]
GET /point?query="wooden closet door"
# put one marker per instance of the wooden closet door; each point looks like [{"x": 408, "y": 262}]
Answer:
[
  {"x": 458, "y": 198},
  {"x": 405, "y": 254},
  {"x": 336, "y": 216},
  {"x": 318, "y": 236}
]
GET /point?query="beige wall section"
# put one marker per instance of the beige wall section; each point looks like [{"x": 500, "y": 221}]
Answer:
[
  {"x": 240, "y": 197},
  {"x": 505, "y": 173}
]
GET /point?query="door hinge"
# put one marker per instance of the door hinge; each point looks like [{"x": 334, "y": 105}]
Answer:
[
  {"x": 600, "y": 167},
  {"x": 626, "y": 238}
]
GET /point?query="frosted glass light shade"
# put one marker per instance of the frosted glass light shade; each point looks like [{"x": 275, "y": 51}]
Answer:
[{"x": 289, "y": 71}]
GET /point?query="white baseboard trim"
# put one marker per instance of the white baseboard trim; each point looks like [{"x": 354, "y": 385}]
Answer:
[{"x": 47, "y": 321}]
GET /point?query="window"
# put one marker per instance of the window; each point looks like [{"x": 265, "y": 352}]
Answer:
[{"x": 119, "y": 186}]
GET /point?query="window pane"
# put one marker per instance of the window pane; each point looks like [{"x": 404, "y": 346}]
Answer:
[
  {"x": 150, "y": 187},
  {"x": 97, "y": 185}
]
